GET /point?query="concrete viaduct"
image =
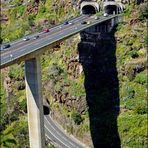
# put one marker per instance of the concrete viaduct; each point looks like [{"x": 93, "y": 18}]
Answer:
[{"x": 33, "y": 68}]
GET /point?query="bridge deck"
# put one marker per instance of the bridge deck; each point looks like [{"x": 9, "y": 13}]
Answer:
[{"x": 23, "y": 50}]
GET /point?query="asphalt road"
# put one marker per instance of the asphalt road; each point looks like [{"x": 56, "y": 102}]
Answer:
[
  {"x": 58, "y": 136},
  {"x": 22, "y": 48}
]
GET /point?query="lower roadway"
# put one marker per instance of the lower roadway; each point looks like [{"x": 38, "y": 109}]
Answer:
[{"x": 58, "y": 136}]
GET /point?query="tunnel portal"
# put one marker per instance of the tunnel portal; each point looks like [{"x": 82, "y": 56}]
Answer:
[
  {"x": 111, "y": 9},
  {"x": 89, "y": 9}
]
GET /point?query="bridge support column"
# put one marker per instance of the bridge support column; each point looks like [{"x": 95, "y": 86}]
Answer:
[{"x": 34, "y": 103}]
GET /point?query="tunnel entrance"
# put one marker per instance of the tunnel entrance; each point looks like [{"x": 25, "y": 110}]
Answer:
[
  {"x": 110, "y": 9},
  {"x": 46, "y": 110},
  {"x": 88, "y": 9}
]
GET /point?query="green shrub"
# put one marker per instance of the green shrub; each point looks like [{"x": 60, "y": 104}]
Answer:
[
  {"x": 133, "y": 130},
  {"x": 7, "y": 141},
  {"x": 146, "y": 41},
  {"x": 127, "y": 92},
  {"x": 16, "y": 2},
  {"x": 41, "y": 12},
  {"x": 141, "y": 78},
  {"x": 31, "y": 19},
  {"x": 141, "y": 109},
  {"x": 42, "y": 9},
  {"x": 128, "y": 11},
  {"x": 119, "y": 26},
  {"x": 4, "y": 121},
  {"x": 76, "y": 88},
  {"x": 130, "y": 72},
  {"x": 23, "y": 105},
  {"x": 130, "y": 92},
  {"x": 16, "y": 72},
  {"x": 13, "y": 116},
  {"x": 143, "y": 12},
  {"x": 134, "y": 54},
  {"x": 21, "y": 132},
  {"x": 76, "y": 117},
  {"x": 21, "y": 10},
  {"x": 20, "y": 85},
  {"x": 99, "y": 13}
]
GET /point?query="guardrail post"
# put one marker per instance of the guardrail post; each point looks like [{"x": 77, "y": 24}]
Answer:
[{"x": 34, "y": 103}]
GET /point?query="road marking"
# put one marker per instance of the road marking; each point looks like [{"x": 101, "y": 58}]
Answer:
[
  {"x": 55, "y": 136},
  {"x": 55, "y": 40},
  {"x": 59, "y": 133},
  {"x": 53, "y": 29},
  {"x": 34, "y": 41},
  {"x": 73, "y": 139}
]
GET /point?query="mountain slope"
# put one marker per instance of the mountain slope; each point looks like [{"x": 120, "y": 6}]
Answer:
[{"x": 63, "y": 78}]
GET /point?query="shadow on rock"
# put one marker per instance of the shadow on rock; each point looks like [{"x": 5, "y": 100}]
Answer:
[{"x": 102, "y": 89}]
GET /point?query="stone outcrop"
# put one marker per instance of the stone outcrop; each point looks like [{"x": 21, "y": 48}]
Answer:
[
  {"x": 7, "y": 83},
  {"x": 74, "y": 70}
]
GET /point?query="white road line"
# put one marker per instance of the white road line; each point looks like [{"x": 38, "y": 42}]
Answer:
[
  {"x": 45, "y": 36},
  {"x": 65, "y": 133},
  {"x": 59, "y": 38},
  {"x": 60, "y": 32},
  {"x": 56, "y": 137},
  {"x": 18, "y": 41},
  {"x": 60, "y": 134}
]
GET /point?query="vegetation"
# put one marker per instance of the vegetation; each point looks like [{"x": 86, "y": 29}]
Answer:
[
  {"x": 143, "y": 15},
  {"x": 132, "y": 130},
  {"x": 62, "y": 75},
  {"x": 36, "y": 20},
  {"x": 76, "y": 117}
]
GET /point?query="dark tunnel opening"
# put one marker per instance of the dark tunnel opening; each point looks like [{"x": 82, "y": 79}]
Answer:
[
  {"x": 46, "y": 110},
  {"x": 88, "y": 10},
  {"x": 110, "y": 9}
]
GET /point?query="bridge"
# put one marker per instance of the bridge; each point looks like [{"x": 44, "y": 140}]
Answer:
[
  {"x": 30, "y": 52},
  {"x": 21, "y": 50}
]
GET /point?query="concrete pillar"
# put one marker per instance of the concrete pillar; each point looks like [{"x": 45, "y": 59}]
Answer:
[
  {"x": 112, "y": 22},
  {"x": 34, "y": 103}
]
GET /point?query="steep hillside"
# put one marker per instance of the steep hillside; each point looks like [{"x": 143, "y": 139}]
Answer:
[
  {"x": 33, "y": 16},
  {"x": 132, "y": 73},
  {"x": 64, "y": 78}
]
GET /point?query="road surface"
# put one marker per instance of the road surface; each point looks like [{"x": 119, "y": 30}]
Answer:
[
  {"x": 58, "y": 136},
  {"x": 21, "y": 48}
]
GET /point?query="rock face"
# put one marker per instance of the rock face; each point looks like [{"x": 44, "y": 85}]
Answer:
[
  {"x": 7, "y": 83},
  {"x": 74, "y": 68},
  {"x": 32, "y": 9},
  {"x": 61, "y": 96}
]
